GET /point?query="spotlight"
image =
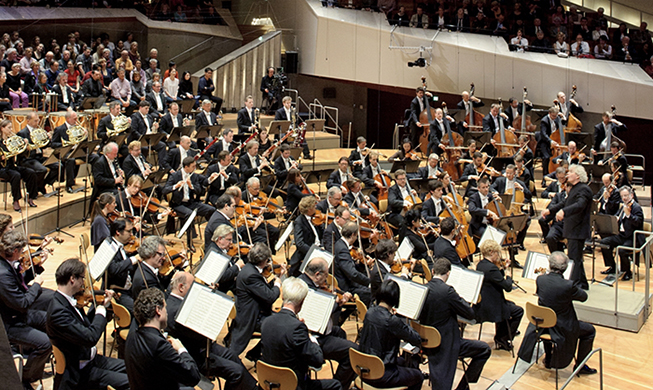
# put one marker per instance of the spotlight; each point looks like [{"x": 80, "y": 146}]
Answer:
[{"x": 420, "y": 62}]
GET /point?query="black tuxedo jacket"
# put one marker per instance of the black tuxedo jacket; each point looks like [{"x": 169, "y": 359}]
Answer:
[
  {"x": 632, "y": 223},
  {"x": 139, "y": 128},
  {"x": 553, "y": 187},
  {"x": 178, "y": 195},
  {"x": 59, "y": 135},
  {"x": 443, "y": 248},
  {"x": 152, "y": 363},
  {"x": 577, "y": 209},
  {"x": 331, "y": 235},
  {"x": 475, "y": 208},
  {"x": 119, "y": 268},
  {"x": 245, "y": 121},
  {"x": 304, "y": 238},
  {"x": 351, "y": 201},
  {"x": 103, "y": 125},
  {"x": 428, "y": 210},
  {"x": 415, "y": 110},
  {"x": 345, "y": 271},
  {"x": 508, "y": 111},
  {"x": 201, "y": 120},
  {"x": 216, "y": 220},
  {"x": 103, "y": 178},
  {"x": 130, "y": 167},
  {"x": 16, "y": 297},
  {"x": 25, "y": 133},
  {"x": 395, "y": 200},
  {"x": 69, "y": 92},
  {"x": 489, "y": 125},
  {"x": 334, "y": 179},
  {"x": 499, "y": 186},
  {"x": 148, "y": 279},
  {"x": 295, "y": 196},
  {"x": 437, "y": 132},
  {"x": 356, "y": 156},
  {"x": 544, "y": 141},
  {"x": 166, "y": 126},
  {"x": 280, "y": 169},
  {"x": 214, "y": 187},
  {"x": 227, "y": 281},
  {"x": 173, "y": 158},
  {"x": 151, "y": 98},
  {"x": 423, "y": 172},
  {"x": 280, "y": 115},
  {"x": 377, "y": 275},
  {"x": 599, "y": 134},
  {"x": 74, "y": 333},
  {"x": 610, "y": 207},
  {"x": 493, "y": 307},
  {"x": 254, "y": 299},
  {"x": 245, "y": 164}
]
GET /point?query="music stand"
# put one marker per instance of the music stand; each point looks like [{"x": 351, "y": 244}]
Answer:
[
  {"x": 419, "y": 184},
  {"x": 83, "y": 150},
  {"x": 153, "y": 179},
  {"x": 295, "y": 153},
  {"x": 93, "y": 103},
  {"x": 481, "y": 137},
  {"x": 178, "y": 132},
  {"x": 318, "y": 177},
  {"x": 315, "y": 125},
  {"x": 499, "y": 163},
  {"x": 58, "y": 156},
  {"x": 208, "y": 131},
  {"x": 581, "y": 140},
  {"x": 151, "y": 139},
  {"x": 603, "y": 225},
  {"x": 512, "y": 224},
  {"x": 186, "y": 106},
  {"x": 118, "y": 139},
  {"x": 278, "y": 127}
]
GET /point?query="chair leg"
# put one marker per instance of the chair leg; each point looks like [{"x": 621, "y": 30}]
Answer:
[
  {"x": 480, "y": 330},
  {"x": 512, "y": 345}
]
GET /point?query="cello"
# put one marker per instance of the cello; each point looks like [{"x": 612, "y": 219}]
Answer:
[
  {"x": 425, "y": 118},
  {"x": 464, "y": 242},
  {"x": 505, "y": 139},
  {"x": 523, "y": 125},
  {"x": 473, "y": 117},
  {"x": 454, "y": 145}
]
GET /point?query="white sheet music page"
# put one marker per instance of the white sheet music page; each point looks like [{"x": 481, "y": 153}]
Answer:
[
  {"x": 316, "y": 310},
  {"x": 467, "y": 283},
  {"x": 205, "y": 311},
  {"x": 316, "y": 251},
  {"x": 411, "y": 297},
  {"x": 212, "y": 267},
  {"x": 101, "y": 259},
  {"x": 405, "y": 250}
]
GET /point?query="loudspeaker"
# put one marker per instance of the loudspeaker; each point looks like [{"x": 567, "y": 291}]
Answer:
[
  {"x": 329, "y": 93},
  {"x": 292, "y": 60}
]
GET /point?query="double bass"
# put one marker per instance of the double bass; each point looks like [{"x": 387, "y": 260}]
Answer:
[
  {"x": 454, "y": 145},
  {"x": 610, "y": 137},
  {"x": 573, "y": 125},
  {"x": 559, "y": 136},
  {"x": 474, "y": 119},
  {"x": 505, "y": 139},
  {"x": 523, "y": 125},
  {"x": 425, "y": 118}
]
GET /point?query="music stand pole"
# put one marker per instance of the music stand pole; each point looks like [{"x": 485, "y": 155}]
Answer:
[
  {"x": 314, "y": 146},
  {"x": 84, "y": 215},
  {"x": 511, "y": 253},
  {"x": 58, "y": 228}
]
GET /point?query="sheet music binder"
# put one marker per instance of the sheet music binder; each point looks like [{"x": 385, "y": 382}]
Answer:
[
  {"x": 317, "y": 309},
  {"x": 316, "y": 251},
  {"x": 466, "y": 282},
  {"x": 205, "y": 311},
  {"x": 411, "y": 297},
  {"x": 101, "y": 259},
  {"x": 538, "y": 264}
]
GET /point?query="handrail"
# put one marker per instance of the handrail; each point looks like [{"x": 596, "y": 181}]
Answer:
[
  {"x": 607, "y": 12},
  {"x": 582, "y": 364},
  {"x": 325, "y": 112},
  {"x": 192, "y": 48},
  {"x": 298, "y": 100},
  {"x": 647, "y": 258}
]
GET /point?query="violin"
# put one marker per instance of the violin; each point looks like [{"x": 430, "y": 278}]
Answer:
[
  {"x": 490, "y": 171},
  {"x": 359, "y": 256},
  {"x": 175, "y": 255},
  {"x": 38, "y": 240},
  {"x": 397, "y": 266},
  {"x": 112, "y": 216},
  {"x": 35, "y": 256},
  {"x": 502, "y": 264},
  {"x": 335, "y": 290},
  {"x": 412, "y": 154},
  {"x": 237, "y": 248},
  {"x": 271, "y": 268},
  {"x": 131, "y": 247},
  {"x": 265, "y": 202},
  {"x": 320, "y": 218},
  {"x": 153, "y": 206},
  {"x": 427, "y": 228}
]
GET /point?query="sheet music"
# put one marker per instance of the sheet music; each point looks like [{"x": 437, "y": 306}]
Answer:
[
  {"x": 101, "y": 259},
  {"x": 316, "y": 310},
  {"x": 205, "y": 311},
  {"x": 466, "y": 282},
  {"x": 411, "y": 297},
  {"x": 314, "y": 252},
  {"x": 538, "y": 264},
  {"x": 405, "y": 250},
  {"x": 189, "y": 221},
  {"x": 284, "y": 236},
  {"x": 212, "y": 267},
  {"x": 492, "y": 233}
]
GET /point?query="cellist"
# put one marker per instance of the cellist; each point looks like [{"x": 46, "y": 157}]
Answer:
[
  {"x": 468, "y": 103},
  {"x": 480, "y": 215},
  {"x": 432, "y": 207},
  {"x": 548, "y": 125},
  {"x": 370, "y": 172},
  {"x": 508, "y": 183},
  {"x": 431, "y": 170}
]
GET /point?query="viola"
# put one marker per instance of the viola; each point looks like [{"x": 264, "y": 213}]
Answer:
[
  {"x": 359, "y": 256},
  {"x": 271, "y": 268},
  {"x": 131, "y": 247},
  {"x": 397, "y": 266},
  {"x": 490, "y": 171},
  {"x": 38, "y": 240},
  {"x": 175, "y": 256}
]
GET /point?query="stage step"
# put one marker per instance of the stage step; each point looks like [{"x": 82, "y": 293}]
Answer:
[{"x": 599, "y": 308}]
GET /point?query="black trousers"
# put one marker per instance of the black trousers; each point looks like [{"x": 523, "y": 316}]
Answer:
[
  {"x": 586, "y": 334},
  {"x": 575, "y": 253},
  {"x": 13, "y": 174},
  {"x": 71, "y": 172},
  {"x": 225, "y": 364},
  {"x": 512, "y": 323},
  {"x": 43, "y": 176},
  {"x": 397, "y": 375},
  {"x": 624, "y": 255},
  {"x": 335, "y": 346},
  {"x": 554, "y": 236},
  {"x": 32, "y": 337},
  {"x": 442, "y": 366},
  {"x": 105, "y": 371}
]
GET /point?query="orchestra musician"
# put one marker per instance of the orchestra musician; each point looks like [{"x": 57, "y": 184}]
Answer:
[
  {"x": 471, "y": 149},
  {"x": 416, "y": 108},
  {"x": 471, "y": 174},
  {"x": 283, "y": 114},
  {"x": 608, "y": 196},
  {"x": 265, "y": 232},
  {"x": 445, "y": 244},
  {"x": 405, "y": 152},
  {"x": 205, "y": 118},
  {"x": 431, "y": 170},
  {"x": 306, "y": 233},
  {"x": 13, "y": 173},
  {"x": 363, "y": 203},
  {"x": 205, "y": 89},
  {"x": 152, "y": 252},
  {"x": 381, "y": 335},
  {"x": 122, "y": 266},
  {"x": 508, "y": 182},
  {"x": 264, "y": 142},
  {"x": 359, "y": 158},
  {"x": 422, "y": 241},
  {"x": 157, "y": 100},
  {"x": 576, "y": 212},
  {"x": 558, "y": 294},
  {"x": 221, "y": 362},
  {"x": 480, "y": 215},
  {"x": 142, "y": 124},
  {"x": 284, "y": 163},
  {"x": 250, "y": 163},
  {"x": 187, "y": 187},
  {"x": 76, "y": 333},
  {"x": 570, "y": 155},
  {"x": 24, "y": 325},
  {"x": 107, "y": 175},
  {"x": 221, "y": 176},
  {"x": 225, "y": 143},
  {"x": 225, "y": 207},
  {"x": 618, "y": 164},
  {"x": 332, "y": 201},
  {"x": 441, "y": 309},
  {"x": 384, "y": 260},
  {"x": 556, "y": 186},
  {"x": 548, "y": 125},
  {"x": 134, "y": 163},
  {"x": 340, "y": 176},
  {"x": 100, "y": 228},
  {"x": 295, "y": 194},
  {"x": 525, "y": 153},
  {"x": 468, "y": 103},
  {"x": 494, "y": 307},
  {"x": 371, "y": 171},
  {"x": 515, "y": 108},
  {"x": 333, "y": 231},
  {"x": 254, "y": 299},
  {"x": 148, "y": 349},
  {"x": 177, "y": 155},
  {"x": 60, "y": 134},
  {"x": 106, "y": 123},
  {"x": 350, "y": 279},
  {"x": 522, "y": 171},
  {"x": 222, "y": 242},
  {"x": 34, "y": 159},
  {"x": 491, "y": 120},
  {"x": 568, "y": 107},
  {"x": 246, "y": 120},
  {"x": 607, "y": 128},
  {"x": 630, "y": 218},
  {"x": 439, "y": 127},
  {"x": 551, "y": 228},
  {"x": 287, "y": 342},
  {"x": 433, "y": 206},
  {"x": 397, "y": 195},
  {"x": 169, "y": 122}
]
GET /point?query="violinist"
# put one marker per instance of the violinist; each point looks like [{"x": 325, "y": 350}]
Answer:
[
  {"x": 525, "y": 153},
  {"x": 285, "y": 163},
  {"x": 618, "y": 164},
  {"x": 551, "y": 228},
  {"x": 545, "y": 144},
  {"x": 431, "y": 170},
  {"x": 607, "y": 128},
  {"x": 333, "y": 232},
  {"x": 350, "y": 279},
  {"x": 341, "y": 175},
  {"x": 175, "y": 156},
  {"x": 491, "y": 121},
  {"x": 468, "y": 103},
  {"x": 432, "y": 207},
  {"x": 556, "y": 186},
  {"x": 134, "y": 163},
  {"x": 295, "y": 186},
  {"x": 445, "y": 244},
  {"x": 551, "y": 177},
  {"x": 405, "y": 152},
  {"x": 608, "y": 196},
  {"x": 385, "y": 262},
  {"x": 153, "y": 253},
  {"x": 367, "y": 206},
  {"x": 440, "y": 126},
  {"x": 306, "y": 233},
  {"x": 222, "y": 240},
  {"x": 221, "y": 362},
  {"x": 14, "y": 173},
  {"x": 359, "y": 158},
  {"x": 186, "y": 187},
  {"x": 472, "y": 173},
  {"x": 265, "y": 231},
  {"x": 572, "y": 155},
  {"x": 251, "y": 163},
  {"x": 332, "y": 201},
  {"x": 220, "y": 176},
  {"x": 630, "y": 218},
  {"x": 121, "y": 268},
  {"x": 334, "y": 343},
  {"x": 397, "y": 199},
  {"x": 75, "y": 333},
  {"x": 24, "y": 326},
  {"x": 223, "y": 215},
  {"x": 421, "y": 239},
  {"x": 494, "y": 307},
  {"x": 522, "y": 172},
  {"x": 515, "y": 109},
  {"x": 102, "y": 208},
  {"x": 480, "y": 215}
]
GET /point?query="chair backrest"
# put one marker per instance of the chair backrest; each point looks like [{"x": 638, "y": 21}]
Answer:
[
  {"x": 430, "y": 336},
  {"x": 84, "y": 243},
  {"x": 366, "y": 366},
  {"x": 383, "y": 205},
  {"x": 647, "y": 226},
  {"x": 426, "y": 270},
  {"x": 541, "y": 317},
  {"x": 123, "y": 318},
  {"x": 59, "y": 360},
  {"x": 362, "y": 309},
  {"x": 272, "y": 377}
]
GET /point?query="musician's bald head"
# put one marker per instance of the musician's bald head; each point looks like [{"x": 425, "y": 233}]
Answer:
[
  {"x": 315, "y": 266},
  {"x": 181, "y": 283}
]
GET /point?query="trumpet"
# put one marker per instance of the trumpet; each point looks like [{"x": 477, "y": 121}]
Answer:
[{"x": 120, "y": 124}]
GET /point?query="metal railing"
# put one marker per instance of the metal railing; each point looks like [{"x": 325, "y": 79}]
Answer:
[
  {"x": 614, "y": 11},
  {"x": 323, "y": 112},
  {"x": 192, "y": 48},
  {"x": 646, "y": 248},
  {"x": 639, "y": 169},
  {"x": 582, "y": 364},
  {"x": 298, "y": 99}
]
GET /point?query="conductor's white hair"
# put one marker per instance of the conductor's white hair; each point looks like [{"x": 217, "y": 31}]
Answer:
[{"x": 580, "y": 171}]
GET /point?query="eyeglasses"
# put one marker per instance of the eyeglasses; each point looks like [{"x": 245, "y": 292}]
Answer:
[{"x": 160, "y": 254}]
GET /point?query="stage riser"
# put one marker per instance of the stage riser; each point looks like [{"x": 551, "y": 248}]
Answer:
[
  {"x": 599, "y": 309},
  {"x": 46, "y": 221}
]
